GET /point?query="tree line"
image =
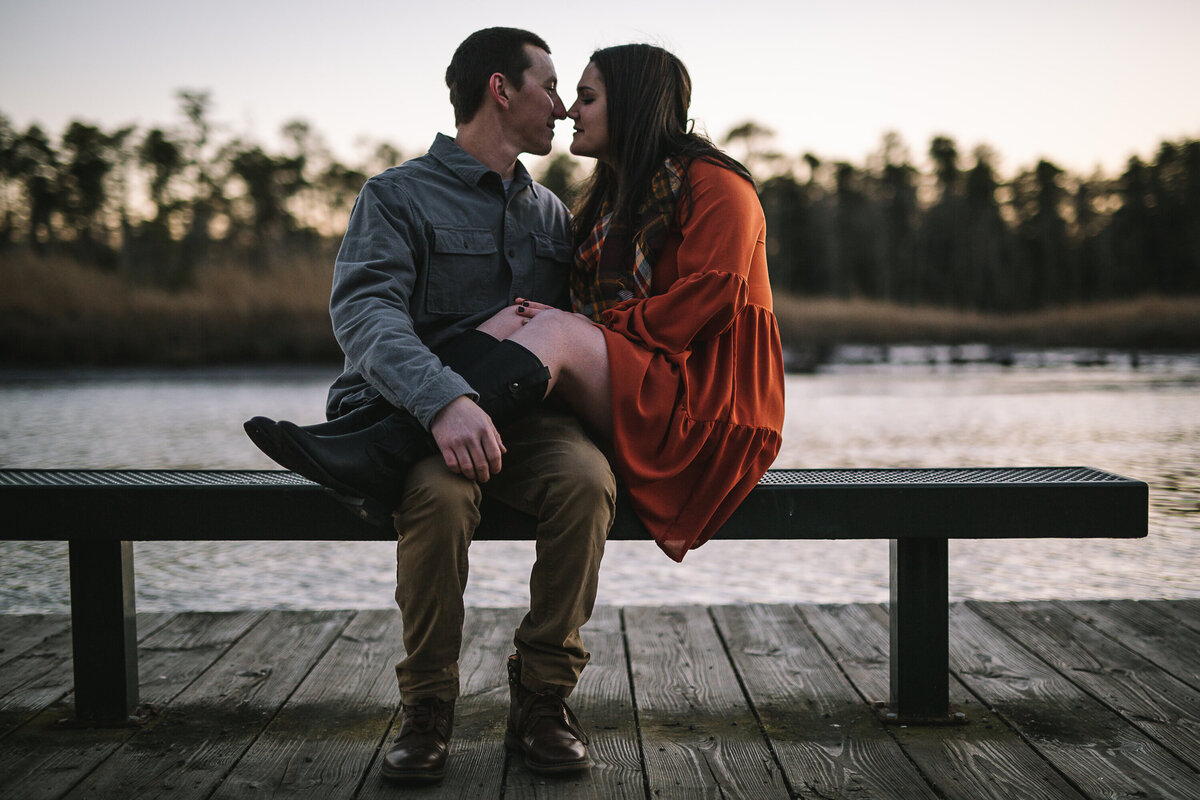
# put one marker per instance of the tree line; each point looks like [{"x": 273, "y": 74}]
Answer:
[
  {"x": 960, "y": 235},
  {"x": 158, "y": 204}
]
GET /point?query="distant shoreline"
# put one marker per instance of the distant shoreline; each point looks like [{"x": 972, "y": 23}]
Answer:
[
  {"x": 811, "y": 328},
  {"x": 57, "y": 313}
]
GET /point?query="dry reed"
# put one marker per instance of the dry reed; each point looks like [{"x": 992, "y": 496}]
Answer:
[
  {"x": 1141, "y": 323},
  {"x": 54, "y": 311}
]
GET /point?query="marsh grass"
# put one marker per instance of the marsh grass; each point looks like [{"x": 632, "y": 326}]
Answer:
[
  {"x": 1151, "y": 322},
  {"x": 54, "y": 311}
]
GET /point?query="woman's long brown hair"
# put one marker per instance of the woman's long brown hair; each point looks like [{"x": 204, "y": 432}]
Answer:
[{"x": 648, "y": 91}]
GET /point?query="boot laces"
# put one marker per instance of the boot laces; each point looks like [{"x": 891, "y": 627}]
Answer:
[
  {"x": 552, "y": 706},
  {"x": 421, "y": 718}
]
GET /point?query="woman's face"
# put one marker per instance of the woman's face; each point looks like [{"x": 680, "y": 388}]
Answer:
[{"x": 590, "y": 115}]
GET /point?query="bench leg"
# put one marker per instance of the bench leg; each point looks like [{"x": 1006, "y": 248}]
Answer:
[
  {"x": 920, "y": 643},
  {"x": 103, "y": 631}
]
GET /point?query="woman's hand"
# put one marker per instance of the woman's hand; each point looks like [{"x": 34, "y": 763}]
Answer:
[
  {"x": 508, "y": 320},
  {"x": 504, "y": 323},
  {"x": 528, "y": 309}
]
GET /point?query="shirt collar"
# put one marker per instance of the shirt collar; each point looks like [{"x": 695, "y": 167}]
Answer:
[{"x": 468, "y": 168}]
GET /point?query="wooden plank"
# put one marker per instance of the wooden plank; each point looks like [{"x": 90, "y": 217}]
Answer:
[
  {"x": 1094, "y": 748},
  {"x": 40, "y": 760},
  {"x": 825, "y": 736},
  {"x": 604, "y": 705},
  {"x": 1148, "y": 697},
  {"x": 982, "y": 759},
  {"x": 323, "y": 740},
  {"x": 699, "y": 736},
  {"x": 42, "y": 676},
  {"x": 1161, "y": 638},
  {"x": 178, "y": 653},
  {"x": 36, "y": 679},
  {"x": 476, "y": 764},
  {"x": 44, "y": 760},
  {"x": 20, "y": 632},
  {"x": 1186, "y": 611},
  {"x": 208, "y": 727}
]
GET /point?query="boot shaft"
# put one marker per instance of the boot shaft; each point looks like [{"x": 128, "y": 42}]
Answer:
[{"x": 510, "y": 381}]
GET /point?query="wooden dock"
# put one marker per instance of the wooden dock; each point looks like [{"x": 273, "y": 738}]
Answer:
[{"x": 1064, "y": 699}]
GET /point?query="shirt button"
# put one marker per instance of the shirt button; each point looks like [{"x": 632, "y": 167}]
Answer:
[{"x": 512, "y": 253}]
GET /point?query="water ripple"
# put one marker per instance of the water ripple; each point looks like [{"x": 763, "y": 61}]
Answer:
[{"x": 1144, "y": 423}]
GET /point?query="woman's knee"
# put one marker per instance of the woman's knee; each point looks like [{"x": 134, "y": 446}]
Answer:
[
  {"x": 569, "y": 344},
  {"x": 561, "y": 329}
]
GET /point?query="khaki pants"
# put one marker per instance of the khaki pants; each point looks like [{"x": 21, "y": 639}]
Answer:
[{"x": 552, "y": 471}]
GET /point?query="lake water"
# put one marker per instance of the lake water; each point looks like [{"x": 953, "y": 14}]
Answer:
[{"x": 908, "y": 407}]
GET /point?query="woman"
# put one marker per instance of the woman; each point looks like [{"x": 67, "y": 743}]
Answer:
[
  {"x": 673, "y": 355},
  {"x": 671, "y": 261}
]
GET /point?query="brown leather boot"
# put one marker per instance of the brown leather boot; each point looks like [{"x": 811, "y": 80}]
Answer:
[
  {"x": 543, "y": 728},
  {"x": 419, "y": 753}
]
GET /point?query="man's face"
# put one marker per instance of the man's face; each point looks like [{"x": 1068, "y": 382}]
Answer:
[{"x": 535, "y": 108}]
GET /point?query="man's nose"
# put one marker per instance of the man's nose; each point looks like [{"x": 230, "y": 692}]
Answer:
[{"x": 560, "y": 111}]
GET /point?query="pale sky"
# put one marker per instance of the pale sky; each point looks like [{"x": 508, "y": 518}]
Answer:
[{"x": 1085, "y": 83}]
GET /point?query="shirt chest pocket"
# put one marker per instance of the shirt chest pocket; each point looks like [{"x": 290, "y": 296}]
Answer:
[
  {"x": 552, "y": 250},
  {"x": 465, "y": 274},
  {"x": 552, "y": 267}
]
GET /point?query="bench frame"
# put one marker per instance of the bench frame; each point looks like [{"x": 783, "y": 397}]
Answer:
[{"x": 101, "y": 512}]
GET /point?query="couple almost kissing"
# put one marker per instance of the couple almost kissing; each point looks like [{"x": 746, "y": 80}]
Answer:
[{"x": 497, "y": 344}]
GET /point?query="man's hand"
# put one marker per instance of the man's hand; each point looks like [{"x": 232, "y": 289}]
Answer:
[{"x": 469, "y": 442}]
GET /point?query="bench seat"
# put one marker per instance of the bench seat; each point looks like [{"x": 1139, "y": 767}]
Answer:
[{"x": 100, "y": 512}]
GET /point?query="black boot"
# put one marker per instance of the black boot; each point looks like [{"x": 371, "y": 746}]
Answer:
[
  {"x": 465, "y": 349},
  {"x": 458, "y": 354},
  {"x": 367, "y": 468},
  {"x": 264, "y": 432}
]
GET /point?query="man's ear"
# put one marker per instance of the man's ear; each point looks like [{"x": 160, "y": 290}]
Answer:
[{"x": 498, "y": 89}]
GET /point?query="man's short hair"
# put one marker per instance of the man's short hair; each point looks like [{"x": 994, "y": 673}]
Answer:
[{"x": 481, "y": 55}]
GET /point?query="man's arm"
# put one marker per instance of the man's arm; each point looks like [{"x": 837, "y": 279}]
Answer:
[{"x": 374, "y": 279}]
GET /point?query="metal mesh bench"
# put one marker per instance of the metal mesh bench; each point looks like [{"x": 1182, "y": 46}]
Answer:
[{"x": 100, "y": 512}]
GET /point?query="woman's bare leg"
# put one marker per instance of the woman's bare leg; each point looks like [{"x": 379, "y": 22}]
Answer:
[{"x": 573, "y": 349}]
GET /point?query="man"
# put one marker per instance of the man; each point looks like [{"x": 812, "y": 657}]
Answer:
[{"x": 435, "y": 247}]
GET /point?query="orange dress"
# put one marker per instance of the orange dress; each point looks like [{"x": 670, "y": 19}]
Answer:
[{"x": 697, "y": 367}]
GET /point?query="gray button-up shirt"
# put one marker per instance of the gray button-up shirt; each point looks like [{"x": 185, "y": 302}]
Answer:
[{"x": 433, "y": 248}]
